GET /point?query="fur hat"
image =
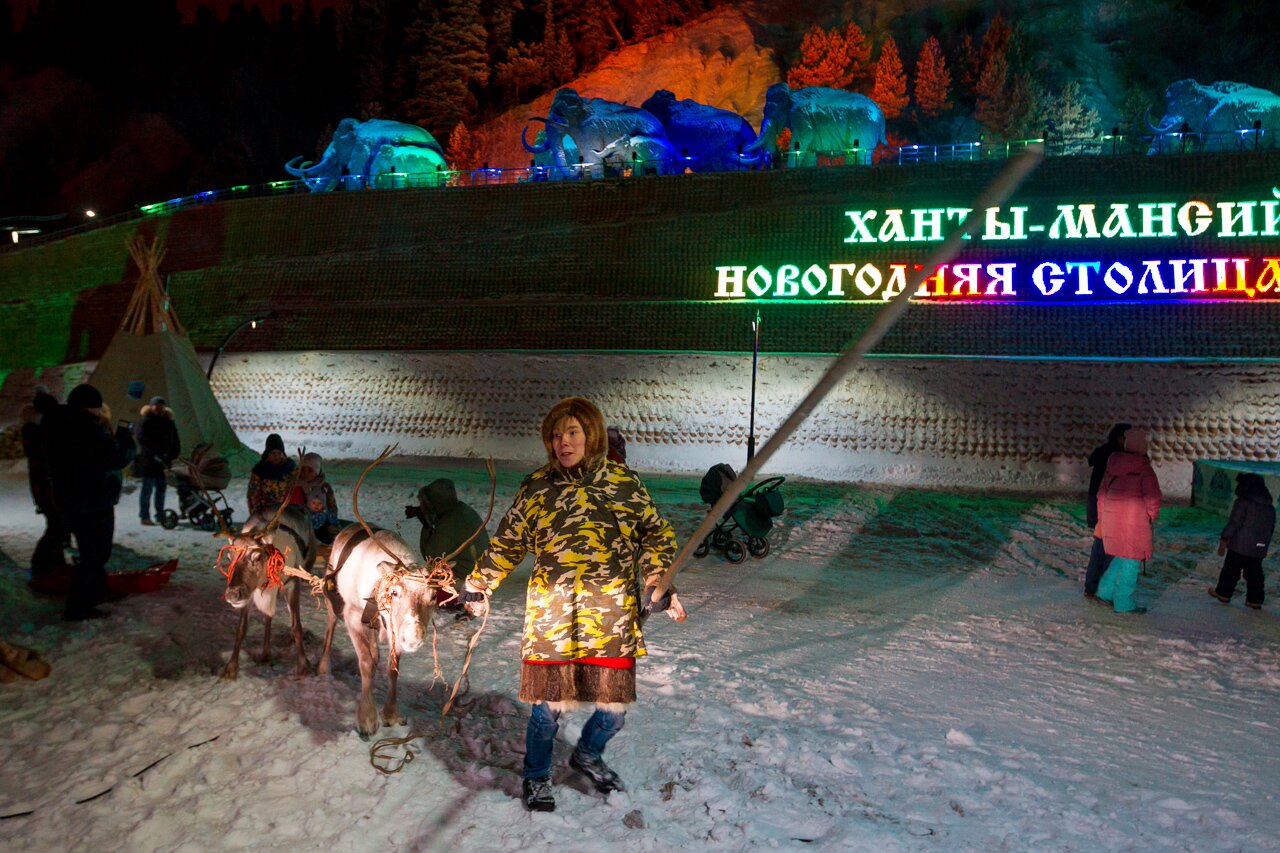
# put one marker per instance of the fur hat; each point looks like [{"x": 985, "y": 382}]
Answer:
[
  {"x": 1135, "y": 440},
  {"x": 313, "y": 461},
  {"x": 85, "y": 397}
]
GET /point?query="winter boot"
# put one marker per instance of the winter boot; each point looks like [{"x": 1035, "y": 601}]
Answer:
[
  {"x": 538, "y": 796},
  {"x": 594, "y": 768}
]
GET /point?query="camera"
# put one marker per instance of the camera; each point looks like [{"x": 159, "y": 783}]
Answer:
[{"x": 412, "y": 511}]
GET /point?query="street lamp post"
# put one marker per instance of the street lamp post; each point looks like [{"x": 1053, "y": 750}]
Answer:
[
  {"x": 755, "y": 358},
  {"x": 253, "y": 322}
]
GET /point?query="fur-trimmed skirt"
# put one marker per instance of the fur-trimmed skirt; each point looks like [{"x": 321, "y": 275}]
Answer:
[{"x": 574, "y": 683}]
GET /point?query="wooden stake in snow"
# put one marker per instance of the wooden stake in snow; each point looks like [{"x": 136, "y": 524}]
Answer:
[{"x": 996, "y": 193}]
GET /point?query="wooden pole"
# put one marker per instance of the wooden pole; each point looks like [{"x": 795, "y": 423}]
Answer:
[{"x": 996, "y": 193}]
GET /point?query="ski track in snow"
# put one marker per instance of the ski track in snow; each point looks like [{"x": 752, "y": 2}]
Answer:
[{"x": 905, "y": 671}]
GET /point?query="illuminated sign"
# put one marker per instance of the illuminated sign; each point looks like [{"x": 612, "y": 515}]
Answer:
[{"x": 1141, "y": 255}]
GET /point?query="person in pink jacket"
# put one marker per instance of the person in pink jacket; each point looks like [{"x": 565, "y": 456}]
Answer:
[{"x": 1128, "y": 504}]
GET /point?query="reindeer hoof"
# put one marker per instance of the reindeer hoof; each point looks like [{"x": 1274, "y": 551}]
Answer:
[
  {"x": 230, "y": 673},
  {"x": 322, "y": 668},
  {"x": 393, "y": 717}
]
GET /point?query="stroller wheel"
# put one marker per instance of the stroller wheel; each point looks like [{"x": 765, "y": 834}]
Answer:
[
  {"x": 209, "y": 522},
  {"x": 758, "y": 546},
  {"x": 168, "y": 519},
  {"x": 734, "y": 551},
  {"x": 719, "y": 537},
  {"x": 701, "y": 550},
  {"x": 197, "y": 516},
  {"x": 226, "y": 516}
]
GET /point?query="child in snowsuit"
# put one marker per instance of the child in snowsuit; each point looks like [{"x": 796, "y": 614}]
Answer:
[
  {"x": 1128, "y": 504},
  {"x": 1245, "y": 541}
]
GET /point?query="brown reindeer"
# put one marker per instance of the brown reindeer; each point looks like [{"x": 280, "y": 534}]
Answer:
[{"x": 381, "y": 592}]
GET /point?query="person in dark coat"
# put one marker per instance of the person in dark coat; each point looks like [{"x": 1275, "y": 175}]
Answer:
[
  {"x": 50, "y": 550},
  {"x": 158, "y": 446},
  {"x": 1098, "y": 559},
  {"x": 83, "y": 458},
  {"x": 1245, "y": 541},
  {"x": 446, "y": 523}
]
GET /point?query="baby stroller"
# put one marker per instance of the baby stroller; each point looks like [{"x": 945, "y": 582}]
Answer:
[
  {"x": 752, "y": 514},
  {"x": 203, "y": 471}
]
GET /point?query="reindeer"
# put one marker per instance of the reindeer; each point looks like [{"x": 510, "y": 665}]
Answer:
[
  {"x": 255, "y": 560},
  {"x": 381, "y": 591}
]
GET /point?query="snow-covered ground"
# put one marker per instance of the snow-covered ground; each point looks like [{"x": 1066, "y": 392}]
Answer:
[{"x": 907, "y": 670}]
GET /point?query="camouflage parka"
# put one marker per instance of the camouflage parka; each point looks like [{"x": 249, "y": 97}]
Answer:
[{"x": 596, "y": 537}]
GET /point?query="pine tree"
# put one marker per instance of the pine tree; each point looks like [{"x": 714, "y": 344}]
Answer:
[
  {"x": 448, "y": 58},
  {"x": 1026, "y": 108},
  {"x": 992, "y": 107},
  {"x": 970, "y": 68},
  {"x": 890, "y": 90},
  {"x": 523, "y": 69},
  {"x": 933, "y": 81},
  {"x": 824, "y": 61},
  {"x": 461, "y": 149},
  {"x": 558, "y": 56},
  {"x": 834, "y": 59},
  {"x": 1071, "y": 120},
  {"x": 368, "y": 34},
  {"x": 858, "y": 50}
]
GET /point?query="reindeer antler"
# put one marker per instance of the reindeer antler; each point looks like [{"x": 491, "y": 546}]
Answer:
[
  {"x": 493, "y": 490},
  {"x": 355, "y": 505}
]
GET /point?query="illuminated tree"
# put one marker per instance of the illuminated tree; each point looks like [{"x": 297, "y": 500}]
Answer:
[
  {"x": 461, "y": 149},
  {"x": 933, "y": 81},
  {"x": 890, "y": 90},
  {"x": 1070, "y": 118},
  {"x": 835, "y": 59},
  {"x": 993, "y": 106}
]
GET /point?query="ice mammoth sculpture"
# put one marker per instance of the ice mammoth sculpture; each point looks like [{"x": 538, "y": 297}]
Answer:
[
  {"x": 709, "y": 137},
  {"x": 821, "y": 121},
  {"x": 375, "y": 153},
  {"x": 1222, "y": 115},
  {"x": 593, "y": 124},
  {"x": 650, "y": 155}
]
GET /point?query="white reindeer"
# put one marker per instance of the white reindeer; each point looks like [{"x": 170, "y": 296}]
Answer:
[{"x": 382, "y": 592}]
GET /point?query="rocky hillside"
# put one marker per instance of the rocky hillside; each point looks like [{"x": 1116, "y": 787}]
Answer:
[{"x": 715, "y": 60}]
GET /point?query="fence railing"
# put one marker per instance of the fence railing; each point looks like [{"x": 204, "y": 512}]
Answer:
[{"x": 1112, "y": 144}]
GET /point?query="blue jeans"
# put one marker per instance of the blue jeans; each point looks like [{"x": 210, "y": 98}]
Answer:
[
  {"x": 144, "y": 502},
  {"x": 541, "y": 736}
]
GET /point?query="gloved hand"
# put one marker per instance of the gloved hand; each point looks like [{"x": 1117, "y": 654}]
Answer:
[
  {"x": 475, "y": 601},
  {"x": 649, "y": 605}
]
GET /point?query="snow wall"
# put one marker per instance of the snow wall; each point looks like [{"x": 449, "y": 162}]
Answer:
[{"x": 965, "y": 423}]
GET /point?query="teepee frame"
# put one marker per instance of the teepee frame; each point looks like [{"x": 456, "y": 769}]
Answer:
[{"x": 149, "y": 309}]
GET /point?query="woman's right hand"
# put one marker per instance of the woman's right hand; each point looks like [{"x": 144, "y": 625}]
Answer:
[{"x": 475, "y": 601}]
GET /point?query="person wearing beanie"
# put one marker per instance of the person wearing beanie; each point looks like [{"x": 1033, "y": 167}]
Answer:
[
  {"x": 1129, "y": 501},
  {"x": 1245, "y": 541},
  {"x": 158, "y": 446},
  {"x": 83, "y": 457},
  {"x": 271, "y": 477},
  {"x": 314, "y": 494}
]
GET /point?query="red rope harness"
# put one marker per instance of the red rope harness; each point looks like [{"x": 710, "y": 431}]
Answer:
[{"x": 275, "y": 563}]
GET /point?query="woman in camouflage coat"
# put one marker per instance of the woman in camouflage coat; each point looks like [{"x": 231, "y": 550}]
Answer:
[{"x": 598, "y": 540}]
